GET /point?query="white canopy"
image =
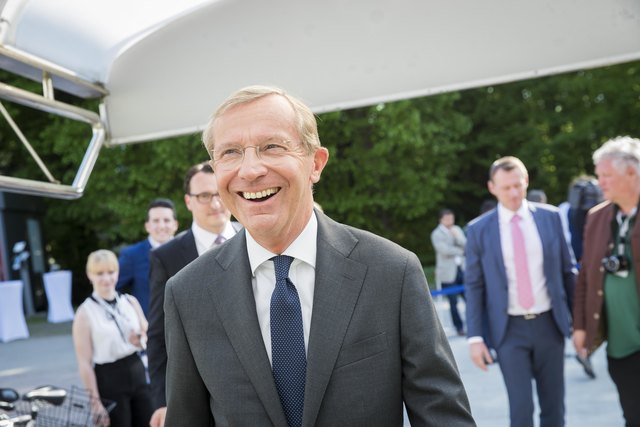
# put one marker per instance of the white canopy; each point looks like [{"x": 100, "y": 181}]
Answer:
[{"x": 162, "y": 66}]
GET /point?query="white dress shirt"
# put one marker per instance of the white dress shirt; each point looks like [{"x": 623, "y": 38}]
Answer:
[
  {"x": 154, "y": 244},
  {"x": 302, "y": 274},
  {"x": 204, "y": 239},
  {"x": 535, "y": 257}
]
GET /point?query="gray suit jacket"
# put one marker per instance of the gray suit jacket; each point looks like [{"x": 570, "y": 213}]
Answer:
[
  {"x": 375, "y": 341},
  {"x": 448, "y": 247}
]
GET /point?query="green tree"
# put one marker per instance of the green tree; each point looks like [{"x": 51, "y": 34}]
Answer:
[
  {"x": 391, "y": 164},
  {"x": 553, "y": 124}
]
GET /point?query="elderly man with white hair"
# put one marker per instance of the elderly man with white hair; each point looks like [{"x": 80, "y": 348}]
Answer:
[{"x": 607, "y": 302}]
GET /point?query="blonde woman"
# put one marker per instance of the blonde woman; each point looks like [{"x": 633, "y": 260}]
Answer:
[{"x": 108, "y": 332}]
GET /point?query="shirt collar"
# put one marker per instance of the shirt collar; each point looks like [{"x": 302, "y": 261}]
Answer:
[
  {"x": 206, "y": 238},
  {"x": 505, "y": 215},
  {"x": 619, "y": 214},
  {"x": 154, "y": 243},
  {"x": 443, "y": 228},
  {"x": 303, "y": 247}
]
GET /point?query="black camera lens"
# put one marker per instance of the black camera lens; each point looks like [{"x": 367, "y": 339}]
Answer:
[{"x": 615, "y": 263}]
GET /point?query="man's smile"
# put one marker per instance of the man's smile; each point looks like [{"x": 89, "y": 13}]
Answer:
[{"x": 260, "y": 195}]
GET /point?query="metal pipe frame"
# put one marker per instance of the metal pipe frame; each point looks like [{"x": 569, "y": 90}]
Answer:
[
  {"x": 46, "y": 104},
  {"x": 51, "y": 69}
]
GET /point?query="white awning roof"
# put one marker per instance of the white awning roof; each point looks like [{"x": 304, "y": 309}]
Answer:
[{"x": 165, "y": 64}]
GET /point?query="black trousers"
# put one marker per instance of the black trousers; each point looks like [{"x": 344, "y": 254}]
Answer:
[
  {"x": 124, "y": 382},
  {"x": 625, "y": 373}
]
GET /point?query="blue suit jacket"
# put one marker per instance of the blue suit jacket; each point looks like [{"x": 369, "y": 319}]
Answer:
[
  {"x": 134, "y": 271},
  {"x": 486, "y": 277}
]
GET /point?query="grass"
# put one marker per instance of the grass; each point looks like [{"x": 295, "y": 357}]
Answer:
[
  {"x": 430, "y": 272},
  {"x": 40, "y": 327}
]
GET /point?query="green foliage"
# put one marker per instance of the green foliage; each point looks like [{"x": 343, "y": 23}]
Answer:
[
  {"x": 386, "y": 173},
  {"x": 391, "y": 168}
]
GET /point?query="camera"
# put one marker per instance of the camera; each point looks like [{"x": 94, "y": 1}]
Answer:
[{"x": 615, "y": 263}]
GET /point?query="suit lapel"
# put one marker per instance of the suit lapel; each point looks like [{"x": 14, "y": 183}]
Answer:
[
  {"x": 495, "y": 246},
  {"x": 189, "y": 250},
  {"x": 544, "y": 229},
  {"x": 337, "y": 287},
  {"x": 338, "y": 283},
  {"x": 234, "y": 301}
]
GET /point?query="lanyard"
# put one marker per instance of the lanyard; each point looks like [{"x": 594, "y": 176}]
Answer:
[{"x": 113, "y": 313}]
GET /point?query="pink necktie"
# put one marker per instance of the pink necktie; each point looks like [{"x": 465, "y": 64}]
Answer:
[
  {"x": 219, "y": 240},
  {"x": 523, "y": 281}
]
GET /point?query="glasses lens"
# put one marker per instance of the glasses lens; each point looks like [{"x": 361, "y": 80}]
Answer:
[
  {"x": 229, "y": 157},
  {"x": 204, "y": 197}
]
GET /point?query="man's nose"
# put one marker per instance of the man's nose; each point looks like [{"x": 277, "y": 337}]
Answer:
[
  {"x": 252, "y": 166},
  {"x": 216, "y": 202}
]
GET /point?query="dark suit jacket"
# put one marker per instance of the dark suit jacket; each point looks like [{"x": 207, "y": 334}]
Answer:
[
  {"x": 486, "y": 286},
  {"x": 375, "y": 341},
  {"x": 166, "y": 261},
  {"x": 587, "y": 312},
  {"x": 134, "y": 272}
]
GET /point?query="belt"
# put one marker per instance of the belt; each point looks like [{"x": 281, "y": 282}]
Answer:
[{"x": 530, "y": 316}]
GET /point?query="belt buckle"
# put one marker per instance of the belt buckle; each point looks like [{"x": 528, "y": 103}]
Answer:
[{"x": 530, "y": 316}]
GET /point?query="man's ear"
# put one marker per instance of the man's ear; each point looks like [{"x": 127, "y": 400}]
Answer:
[
  {"x": 320, "y": 159},
  {"x": 491, "y": 187}
]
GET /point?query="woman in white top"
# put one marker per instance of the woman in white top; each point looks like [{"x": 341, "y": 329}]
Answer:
[{"x": 108, "y": 332}]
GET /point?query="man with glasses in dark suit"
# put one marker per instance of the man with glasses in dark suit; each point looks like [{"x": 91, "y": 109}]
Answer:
[{"x": 211, "y": 227}]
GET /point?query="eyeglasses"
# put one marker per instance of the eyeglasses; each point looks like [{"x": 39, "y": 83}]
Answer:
[
  {"x": 205, "y": 197},
  {"x": 230, "y": 156}
]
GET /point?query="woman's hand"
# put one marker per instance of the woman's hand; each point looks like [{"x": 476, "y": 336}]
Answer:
[
  {"x": 139, "y": 340},
  {"x": 99, "y": 413}
]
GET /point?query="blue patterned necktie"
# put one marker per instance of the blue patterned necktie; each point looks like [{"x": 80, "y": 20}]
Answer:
[{"x": 288, "y": 359}]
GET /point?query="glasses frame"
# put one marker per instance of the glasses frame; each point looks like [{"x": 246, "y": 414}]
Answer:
[
  {"x": 260, "y": 149},
  {"x": 208, "y": 197}
]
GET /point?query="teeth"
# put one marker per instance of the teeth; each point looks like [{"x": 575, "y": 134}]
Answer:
[{"x": 259, "y": 194}]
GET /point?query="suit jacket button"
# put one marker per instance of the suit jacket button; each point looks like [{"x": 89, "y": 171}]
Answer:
[
  {"x": 601, "y": 269},
  {"x": 596, "y": 316},
  {"x": 599, "y": 292}
]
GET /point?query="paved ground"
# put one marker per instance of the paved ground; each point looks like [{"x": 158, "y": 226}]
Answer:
[{"x": 47, "y": 357}]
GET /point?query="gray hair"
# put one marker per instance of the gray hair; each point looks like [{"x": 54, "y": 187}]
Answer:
[
  {"x": 623, "y": 151},
  {"x": 306, "y": 124}
]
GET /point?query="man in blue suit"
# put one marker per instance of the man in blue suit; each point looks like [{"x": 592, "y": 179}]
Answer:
[
  {"x": 519, "y": 277},
  {"x": 161, "y": 224}
]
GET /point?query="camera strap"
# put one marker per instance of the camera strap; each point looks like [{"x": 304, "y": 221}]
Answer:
[
  {"x": 623, "y": 222},
  {"x": 620, "y": 225}
]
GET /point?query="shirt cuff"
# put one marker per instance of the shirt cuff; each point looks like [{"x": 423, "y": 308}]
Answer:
[{"x": 473, "y": 340}]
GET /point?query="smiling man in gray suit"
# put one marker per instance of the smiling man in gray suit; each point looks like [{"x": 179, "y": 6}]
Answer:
[{"x": 342, "y": 337}]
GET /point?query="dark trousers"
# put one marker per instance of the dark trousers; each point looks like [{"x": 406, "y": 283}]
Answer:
[
  {"x": 533, "y": 350},
  {"x": 124, "y": 382},
  {"x": 625, "y": 373},
  {"x": 453, "y": 306},
  {"x": 453, "y": 301}
]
